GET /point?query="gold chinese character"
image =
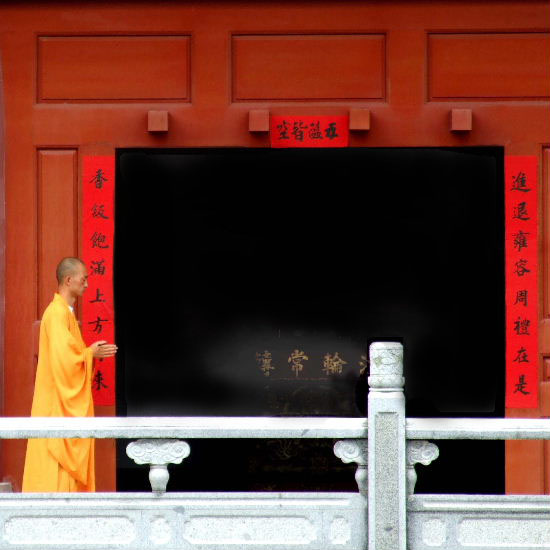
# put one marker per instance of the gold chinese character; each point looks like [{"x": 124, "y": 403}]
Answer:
[
  {"x": 264, "y": 360},
  {"x": 295, "y": 359},
  {"x": 363, "y": 363},
  {"x": 332, "y": 364}
]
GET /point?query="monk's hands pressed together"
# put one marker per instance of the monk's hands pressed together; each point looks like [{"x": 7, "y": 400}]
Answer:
[{"x": 103, "y": 349}]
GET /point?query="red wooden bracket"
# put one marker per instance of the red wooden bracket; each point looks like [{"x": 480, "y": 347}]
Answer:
[
  {"x": 461, "y": 120},
  {"x": 258, "y": 120},
  {"x": 157, "y": 121},
  {"x": 359, "y": 120}
]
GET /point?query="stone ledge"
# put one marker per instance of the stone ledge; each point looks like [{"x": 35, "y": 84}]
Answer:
[{"x": 215, "y": 521}]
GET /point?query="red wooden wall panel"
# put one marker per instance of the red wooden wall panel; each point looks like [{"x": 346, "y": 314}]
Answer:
[
  {"x": 525, "y": 467},
  {"x": 2, "y": 241},
  {"x": 545, "y": 242},
  {"x": 57, "y": 203},
  {"x": 489, "y": 65},
  {"x": 545, "y": 294},
  {"x": 308, "y": 67},
  {"x": 96, "y": 68}
]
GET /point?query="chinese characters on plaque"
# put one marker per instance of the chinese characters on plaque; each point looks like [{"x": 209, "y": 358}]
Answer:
[
  {"x": 98, "y": 322},
  {"x": 309, "y": 131},
  {"x": 521, "y": 282},
  {"x": 298, "y": 366}
]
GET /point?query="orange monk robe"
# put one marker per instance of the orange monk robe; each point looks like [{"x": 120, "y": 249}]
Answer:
[{"x": 63, "y": 387}]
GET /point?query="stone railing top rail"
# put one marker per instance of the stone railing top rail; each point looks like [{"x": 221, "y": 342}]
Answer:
[
  {"x": 266, "y": 427},
  {"x": 478, "y": 428}
]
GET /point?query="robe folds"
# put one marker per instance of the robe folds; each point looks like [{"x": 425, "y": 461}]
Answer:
[{"x": 63, "y": 387}]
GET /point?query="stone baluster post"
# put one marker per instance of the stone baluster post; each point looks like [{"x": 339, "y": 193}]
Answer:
[
  {"x": 387, "y": 480},
  {"x": 158, "y": 453}
]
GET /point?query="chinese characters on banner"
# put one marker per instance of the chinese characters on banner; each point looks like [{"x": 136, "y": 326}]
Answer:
[
  {"x": 309, "y": 131},
  {"x": 98, "y": 321},
  {"x": 521, "y": 198}
]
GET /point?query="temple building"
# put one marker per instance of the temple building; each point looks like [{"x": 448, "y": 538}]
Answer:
[{"x": 260, "y": 190}]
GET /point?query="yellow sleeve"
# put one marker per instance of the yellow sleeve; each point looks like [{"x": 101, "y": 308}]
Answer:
[{"x": 71, "y": 367}]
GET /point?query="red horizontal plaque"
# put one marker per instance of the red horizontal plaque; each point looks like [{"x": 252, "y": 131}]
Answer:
[{"x": 309, "y": 131}]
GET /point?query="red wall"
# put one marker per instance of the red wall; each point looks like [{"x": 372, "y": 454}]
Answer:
[{"x": 80, "y": 78}]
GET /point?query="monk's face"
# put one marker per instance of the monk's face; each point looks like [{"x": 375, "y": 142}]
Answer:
[{"x": 78, "y": 282}]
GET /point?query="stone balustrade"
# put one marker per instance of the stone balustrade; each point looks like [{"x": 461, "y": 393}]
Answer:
[{"x": 384, "y": 514}]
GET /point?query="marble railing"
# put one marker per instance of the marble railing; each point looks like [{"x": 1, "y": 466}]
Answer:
[{"x": 384, "y": 514}]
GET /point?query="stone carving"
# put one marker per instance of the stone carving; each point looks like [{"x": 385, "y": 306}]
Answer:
[
  {"x": 249, "y": 530},
  {"x": 506, "y": 532},
  {"x": 340, "y": 531},
  {"x": 40, "y": 530},
  {"x": 387, "y": 478},
  {"x": 158, "y": 453},
  {"x": 355, "y": 450},
  {"x": 434, "y": 532},
  {"x": 386, "y": 366},
  {"x": 422, "y": 452},
  {"x": 161, "y": 531}
]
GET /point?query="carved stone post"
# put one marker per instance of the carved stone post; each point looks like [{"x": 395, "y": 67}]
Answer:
[
  {"x": 387, "y": 493},
  {"x": 158, "y": 453},
  {"x": 355, "y": 450},
  {"x": 418, "y": 451}
]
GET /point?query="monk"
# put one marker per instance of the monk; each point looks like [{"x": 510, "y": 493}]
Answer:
[{"x": 63, "y": 387}]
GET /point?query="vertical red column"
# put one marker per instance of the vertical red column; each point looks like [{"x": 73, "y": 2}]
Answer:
[
  {"x": 98, "y": 315},
  {"x": 522, "y": 322}
]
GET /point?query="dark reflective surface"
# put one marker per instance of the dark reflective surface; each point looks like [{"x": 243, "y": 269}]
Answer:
[{"x": 233, "y": 266}]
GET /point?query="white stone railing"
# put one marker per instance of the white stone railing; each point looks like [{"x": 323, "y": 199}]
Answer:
[
  {"x": 383, "y": 515},
  {"x": 254, "y": 427},
  {"x": 227, "y": 427}
]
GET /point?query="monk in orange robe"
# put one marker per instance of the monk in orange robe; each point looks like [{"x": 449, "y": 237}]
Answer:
[{"x": 63, "y": 387}]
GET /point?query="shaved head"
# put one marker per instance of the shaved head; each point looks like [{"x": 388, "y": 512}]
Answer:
[{"x": 67, "y": 267}]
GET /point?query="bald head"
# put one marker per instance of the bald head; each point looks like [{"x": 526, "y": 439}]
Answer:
[{"x": 68, "y": 267}]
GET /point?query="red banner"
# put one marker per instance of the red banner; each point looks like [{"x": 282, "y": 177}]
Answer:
[
  {"x": 98, "y": 315},
  {"x": 521, "y": 210},
  {"x": 309, "y": 131}
]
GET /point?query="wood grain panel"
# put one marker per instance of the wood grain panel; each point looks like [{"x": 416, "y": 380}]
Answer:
[
  {"x": 545, "y": 393},
  {"x": 96, "y": 68},
  {"x": 308, "y": 67},
  {"x": 489, "y": 65},
  {"x": 57, "y": 217},
  {"x": 545, "y": 231},
  {"x": 545, "y": 332},
  {"x": 524, "y": 467},
  {"x": 2, "y": 242}
]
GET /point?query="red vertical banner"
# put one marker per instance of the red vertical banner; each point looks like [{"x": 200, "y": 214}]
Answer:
[
  {"x": 98, "y": 315},
  {"x": 521, "y": 212}
]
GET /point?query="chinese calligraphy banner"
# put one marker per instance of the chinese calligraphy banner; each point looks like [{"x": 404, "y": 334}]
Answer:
[
  {"x": 98, "y": 321},
  {"x": 309, "y": 131},
  {"x": 521, "y": 207}
]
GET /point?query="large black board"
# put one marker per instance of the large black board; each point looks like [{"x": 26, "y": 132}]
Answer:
[{"x": 223, "y": 254}]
